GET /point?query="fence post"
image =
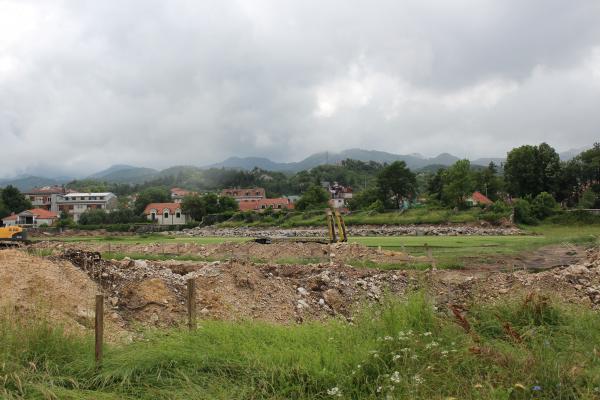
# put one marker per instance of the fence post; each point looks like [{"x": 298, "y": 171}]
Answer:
[
  {"x": 191, "y": 303},
  {"x": 99, "y": 328}
]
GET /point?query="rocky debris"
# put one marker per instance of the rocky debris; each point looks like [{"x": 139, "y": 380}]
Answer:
[
  {"x": 153, "y": 292},
  {"x": 354, "y": 230}
]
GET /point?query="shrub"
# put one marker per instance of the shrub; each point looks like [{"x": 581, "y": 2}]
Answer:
[
  {"x": 543, "y": 206},
  {"x": 523, "y": 212}
]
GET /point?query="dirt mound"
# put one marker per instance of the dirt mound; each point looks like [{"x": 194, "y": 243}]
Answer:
[
  {"x": 36, "y": 286},
  {"x": 153, "y": 292}
]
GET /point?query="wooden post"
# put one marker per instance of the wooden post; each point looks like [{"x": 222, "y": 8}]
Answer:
[
  {"x": 191, "y": 303},
  {"x": 99, "y": 328}
]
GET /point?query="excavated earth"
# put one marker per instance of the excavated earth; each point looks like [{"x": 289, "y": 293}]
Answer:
[
  {"x": 153, "y": 293},
  {"x": 249, "y": 251}
]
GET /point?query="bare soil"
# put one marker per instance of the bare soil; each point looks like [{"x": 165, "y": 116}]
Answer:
[{"x": 152, "y": 293}]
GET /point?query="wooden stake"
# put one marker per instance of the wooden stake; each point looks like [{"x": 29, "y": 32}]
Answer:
[
  {"x": 99, "y": 328},
  {"x": 191, "y": 303}
]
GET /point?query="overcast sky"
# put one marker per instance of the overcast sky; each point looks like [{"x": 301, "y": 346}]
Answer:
[{"x": 88, "y": 84}]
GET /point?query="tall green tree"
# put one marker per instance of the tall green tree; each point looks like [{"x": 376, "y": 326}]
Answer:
[
  {"x": 488, "y": 182},
  {"x": 13, "y": 200},
  {"x": 315, "y": 198},
  {"x": 194, "y": 206},
  {"x": 151, "y": 195},
  {"x": 396, "y": 183},
  {"x": 530, "y": 170},
  {"x": 459, "y": 183}
]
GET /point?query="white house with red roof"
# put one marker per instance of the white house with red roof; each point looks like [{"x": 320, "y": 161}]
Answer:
[
  {"x": 32, "y": 218},
  {"x": 166, "y": 214}
]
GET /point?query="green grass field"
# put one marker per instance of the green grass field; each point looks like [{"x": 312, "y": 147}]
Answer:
[
  {"x": 397, "y": 350},
  {"x": 449, "y": 251}
]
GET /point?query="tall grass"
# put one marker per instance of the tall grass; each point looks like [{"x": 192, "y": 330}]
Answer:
[{"x": 399, "y": 349}]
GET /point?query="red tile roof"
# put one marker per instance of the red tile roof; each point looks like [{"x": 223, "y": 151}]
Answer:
[
  {"x": 481, "y": 198},
  {"x": 37, "y": 212},
  {"x": 44, "y": 214},
  {"x": 180, "y": 192},
  {"x": 160, "y": 207}
]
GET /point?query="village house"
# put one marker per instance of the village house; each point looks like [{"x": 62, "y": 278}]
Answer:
[
  {"x": 76, "y": 204},
  {"x": 242, "y": 195},
  {"x": 31, "y": 218},
  {"x": 166, "y": 214},
  {"x": 281, "y": 203},
  {"x": 177, "y": 194},
  {"x": 45, "y": 197},
  {"x": 339, "y": 194},
  {"x": 477, "y": 199}
]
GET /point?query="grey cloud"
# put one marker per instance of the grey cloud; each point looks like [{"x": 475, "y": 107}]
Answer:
[{"x": 86, "y": 84}]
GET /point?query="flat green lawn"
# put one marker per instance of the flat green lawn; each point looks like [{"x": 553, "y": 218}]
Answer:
[{"x": 451, "y": 249}]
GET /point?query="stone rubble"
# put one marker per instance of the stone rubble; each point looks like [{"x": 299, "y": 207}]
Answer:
[{"x": 353, "y": 230}]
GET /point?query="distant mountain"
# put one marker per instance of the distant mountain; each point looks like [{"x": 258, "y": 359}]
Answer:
[
  {"x": 25, "y": 183},
  {"x": 125, "y": 174},
  {"x": 571, "y": 153},
  {"x": 413, "y": 161},
  {"x": 487, "y": 160}
]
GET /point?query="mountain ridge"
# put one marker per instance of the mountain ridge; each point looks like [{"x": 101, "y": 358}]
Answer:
[{"x": 123, "y": 173}]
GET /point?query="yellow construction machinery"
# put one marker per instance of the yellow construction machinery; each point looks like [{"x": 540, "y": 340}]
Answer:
[
  {"x": 12, "y": 236},
  {"x": 334, "y": 219},
  {"x": 336, "y": 229}
]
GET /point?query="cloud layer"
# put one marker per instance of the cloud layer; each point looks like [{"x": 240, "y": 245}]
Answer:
[{"x": 87, "y": 84}]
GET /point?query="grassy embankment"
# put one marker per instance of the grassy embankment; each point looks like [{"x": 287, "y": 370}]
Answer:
[{"x": 517, "y": 350}]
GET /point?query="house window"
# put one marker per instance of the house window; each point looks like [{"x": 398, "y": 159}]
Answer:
[
  {"x": 153, "y": 216},
  {"x": 178, "y": 215},
  {"x": 166, "y": 215}
]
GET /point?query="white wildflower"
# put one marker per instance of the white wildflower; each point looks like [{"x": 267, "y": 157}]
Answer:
[
  {"x": 414, "y": 356},
  {"x": 405, "y": 350},
  {"x": 388, "y": 338},
  {"x": 396, "y": 357},
  {"x": 417, "y": 379},
  {"x": 334, "y": 391},
  {"x": 395, "y": 378},
  {"x": 427, "y": 334}
]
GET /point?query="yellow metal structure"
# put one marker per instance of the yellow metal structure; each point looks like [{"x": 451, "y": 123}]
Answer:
[
  {"x": 335, "y": 220},
  {"x": 12, "y": 235}
]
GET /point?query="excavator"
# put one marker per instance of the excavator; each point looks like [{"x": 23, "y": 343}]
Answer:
[
  {"x": 12, "y": 236},
  {"x": 336, "y": 228}
]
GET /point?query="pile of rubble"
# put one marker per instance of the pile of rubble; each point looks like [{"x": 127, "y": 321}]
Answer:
[
  {"x": 354, "y": 230},
  {"x": 154, "y": 292}
]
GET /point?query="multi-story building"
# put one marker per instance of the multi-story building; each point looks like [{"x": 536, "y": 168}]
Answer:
[
  {"x": 76, "y": 204},
  {"x": 244, "y": 194},
  {"x": 45, "y": 197},
  {"x": 282, "y": 203}
]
